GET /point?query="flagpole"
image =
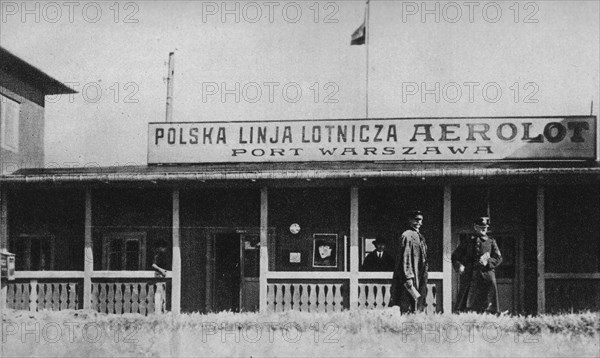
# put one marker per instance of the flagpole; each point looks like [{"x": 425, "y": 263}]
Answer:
[
  {"x": 368, "y": 32},
  {"x": 170, "y": 78}
]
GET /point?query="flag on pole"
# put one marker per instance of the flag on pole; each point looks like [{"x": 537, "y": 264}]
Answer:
[{"x": 359, "y": 36}]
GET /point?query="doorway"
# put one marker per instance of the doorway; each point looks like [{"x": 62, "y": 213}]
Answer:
[
  {"x": 233, "y": 270},
  {"x": 509, "y": 275},
  {"x": 226, "y": 272}
]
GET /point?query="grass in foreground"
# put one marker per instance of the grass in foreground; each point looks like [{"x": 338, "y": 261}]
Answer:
[{"x": 348, "y": 333}]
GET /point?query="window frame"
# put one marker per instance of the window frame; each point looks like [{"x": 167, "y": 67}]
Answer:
[
  {"x": 26, "y": 256},
  {"x": 4, "y": 114},
  {"x": 124, "y": 237}
]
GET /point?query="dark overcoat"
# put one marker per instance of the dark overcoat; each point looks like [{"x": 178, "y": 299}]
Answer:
[
  {"x": 411, "y": 264},
  {"x": 478, "y": 290},
  {"x": 374, "y": 263}
]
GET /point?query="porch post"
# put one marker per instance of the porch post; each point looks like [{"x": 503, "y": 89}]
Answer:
[
  {"x": 447, "y": 251},
  {"x": 541, "y": 253},
  {"x": 354, "y": 256},
  {"x": 88, "y": 263},
  {"x": 176, "y": 269},
  {"x": 264, "y": 258}
]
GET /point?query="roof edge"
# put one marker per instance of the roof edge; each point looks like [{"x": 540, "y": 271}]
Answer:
[
  {"x": 292, "y": 175},
  {"x": 34, "y": 75}
]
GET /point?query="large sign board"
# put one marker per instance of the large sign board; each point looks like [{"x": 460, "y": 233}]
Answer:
[{"x": 411, "y": 139}]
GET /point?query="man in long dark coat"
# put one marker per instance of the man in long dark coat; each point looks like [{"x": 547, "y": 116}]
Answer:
[
  {"x": 380, "y": 259},
  {"x": 475, "y": 259},
  {"x": 411, "y": 267}
]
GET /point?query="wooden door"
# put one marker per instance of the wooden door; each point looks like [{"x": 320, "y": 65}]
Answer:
[
  {"x": 250, "y": 257},
  {"x": 226, "y": 272}
]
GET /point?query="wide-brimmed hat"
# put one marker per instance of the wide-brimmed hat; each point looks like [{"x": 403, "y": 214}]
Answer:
[{"x": 482, "y": 221}]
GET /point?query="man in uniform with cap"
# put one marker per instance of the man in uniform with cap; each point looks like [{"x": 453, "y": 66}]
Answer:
[
  {"x": 475, "y": 260},
  {"x": 378, "y": 260},
  {"x": 410, "y": 273}
]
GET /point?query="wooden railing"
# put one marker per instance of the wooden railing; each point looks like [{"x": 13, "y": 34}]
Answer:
[
  {"x": 329, "y": 297},
  {"x": 377, "y": 296},
  {"x": 305, "y": 297},
  {"x": 114, "y": 292},
  {"x": 143, "y": 297},
  {"x": 373, "y": 295},
  {"x": 31, "y": 295}
]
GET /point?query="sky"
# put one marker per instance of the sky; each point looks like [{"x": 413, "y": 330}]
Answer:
[{"x": 275, "y": 60}]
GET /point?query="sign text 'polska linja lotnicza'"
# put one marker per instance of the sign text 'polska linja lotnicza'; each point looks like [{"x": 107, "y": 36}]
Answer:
[{"x": 445, "y": 139}]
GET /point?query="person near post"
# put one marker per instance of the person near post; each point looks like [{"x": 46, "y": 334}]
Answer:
[
  {"x": 161, "y": 262},
  {"x": 379, "y": 259},
  {"x": 411, "y": 270},
  {"x": 475, "y": 260}
]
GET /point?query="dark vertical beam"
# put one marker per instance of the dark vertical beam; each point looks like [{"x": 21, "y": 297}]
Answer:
[
  {"x": 541, "y": 253},
  {"x": 447, "y": 251},
  {"x": 3, "y": 242}
]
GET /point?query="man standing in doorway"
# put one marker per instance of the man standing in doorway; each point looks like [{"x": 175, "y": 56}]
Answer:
[
  {"x": 475, "y": 260},
  {"x": 409, "y": 284}
]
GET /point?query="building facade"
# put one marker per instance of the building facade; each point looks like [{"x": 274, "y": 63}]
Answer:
[
  {"x": 22, "y": 100},
  {"x": 244, "y": 206},
  {"x": 243, "y": 234}
]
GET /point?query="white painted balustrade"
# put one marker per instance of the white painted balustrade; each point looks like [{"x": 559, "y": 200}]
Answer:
[
  {"x": 143, "y": 297},
  {"x": 377, "y": 296},
  {"x": 328, "y": 297},
  {"x": 36, "y": 296},
  {"x": 305, "y": 297},
  {"x": 129, "y": 297}
]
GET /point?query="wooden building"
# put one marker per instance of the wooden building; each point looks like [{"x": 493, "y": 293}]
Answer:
[
  {"x": 243, "y": 213},
  {"x": 243, "y": 207},
  {"x": 22, "y": 100}
]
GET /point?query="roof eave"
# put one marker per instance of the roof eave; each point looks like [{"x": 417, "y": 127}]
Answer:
[
  {"x": 294, "y": 175},
  {"x": 31, "y": 74}
]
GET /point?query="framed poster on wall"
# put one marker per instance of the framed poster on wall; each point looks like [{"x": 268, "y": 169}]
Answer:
[{"x": 325, "y": 250}]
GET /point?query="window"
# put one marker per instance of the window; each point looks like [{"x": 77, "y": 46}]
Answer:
[
  {"x": 124, "y": 251},
  {"x": 33, "y": 252},
  {"x": 9, "y": 123}
]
